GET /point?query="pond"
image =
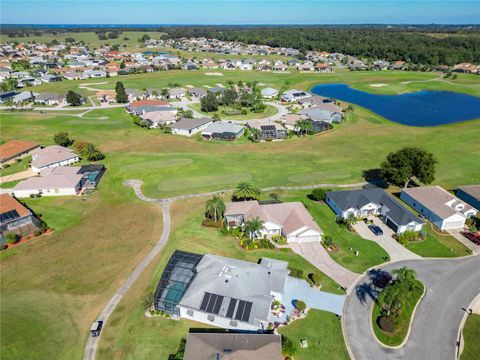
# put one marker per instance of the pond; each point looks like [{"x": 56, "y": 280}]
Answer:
[{"x": 423, "y": 108}]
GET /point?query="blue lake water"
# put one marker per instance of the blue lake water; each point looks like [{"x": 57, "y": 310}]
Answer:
[{"x": 423, "y": 108}]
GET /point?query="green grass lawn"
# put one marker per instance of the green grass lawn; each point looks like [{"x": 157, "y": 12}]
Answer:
[
  {"x": 438, "y": 245},
  {"x": 370, "y": 253},
  {"x": 404, "y": 319},
  {"x": 269, "y": 111},
  {"x": 471, "y": 334},
  {"x": 323, "y": 331},
  {"x": 17, "y": 166}
]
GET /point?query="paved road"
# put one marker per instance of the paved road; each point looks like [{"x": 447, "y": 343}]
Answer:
[
  {"x": 92, "y": 343},
  {"x": 316, "y": 255},
  {"x": 396, "y": 251},
  {"x": 451, "y": 284}
]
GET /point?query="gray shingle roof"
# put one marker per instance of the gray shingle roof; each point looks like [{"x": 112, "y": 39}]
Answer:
[{"x": 358, "y": 198}]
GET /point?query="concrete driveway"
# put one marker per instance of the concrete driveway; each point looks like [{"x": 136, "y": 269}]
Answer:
[
  {"x": 456, "y": 233},
  {"x": 396, "y": 251},
  {"x": 451, "y": 285},
  {"x": 316, "y": 255},
  {"x": 18, "y": 176}
]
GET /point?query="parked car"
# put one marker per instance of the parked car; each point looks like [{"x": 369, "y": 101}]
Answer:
[
  {"x": 376, "y": 230},
  {"x": 96, "y": 328},
  {"x": 473, "y": 237}
]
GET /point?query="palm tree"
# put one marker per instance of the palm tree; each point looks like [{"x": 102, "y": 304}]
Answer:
[
  {"x": 349, "y": 110},
  {"x": 215, "y": 208},
  {"x": 407, "y": 278},
  {"x": 245, "y": 190},
  {"x": 164, "y": 93},
  {"x": 255, "y": 134},
  {"x": 305, "y": 126},
  {"x": 253, "y": 226}
]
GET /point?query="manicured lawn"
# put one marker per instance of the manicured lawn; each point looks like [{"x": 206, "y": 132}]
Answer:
[
  {"x": 471, "y": 334},
  {"x": 269, "y": 111},
  {"x": 9, "y": 184},
  {"x": 438, "y": 245},
  {"x": 323, "y": 331},
  {"x": 370, "y": 253},
  {"x": 404, "y": 319},
  {"x": 17, "y": 166},
  {"x": 129, "y": 332}
]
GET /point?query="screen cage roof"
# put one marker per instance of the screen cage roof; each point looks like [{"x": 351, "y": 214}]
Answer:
[{"x": 175, "y": 280}]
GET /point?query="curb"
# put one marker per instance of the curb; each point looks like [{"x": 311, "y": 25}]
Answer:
[{"x": 460, "y": 329}]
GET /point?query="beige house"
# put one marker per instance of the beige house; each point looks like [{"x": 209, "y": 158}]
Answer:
[{"x": 53, "y": 156}]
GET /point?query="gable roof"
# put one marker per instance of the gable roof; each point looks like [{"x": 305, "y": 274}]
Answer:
[
  {"x": 15, "y": 147},
  {"x": 472, "y": 190},
  {"x": 233, "y": 346},
  {"x": 52, "y": 154},
  {"x": 356, "y": 199},
  {"x": 60, "y": 177},
  {"x": 221, "y": 127},
  {"x": 190, "y": 124}
]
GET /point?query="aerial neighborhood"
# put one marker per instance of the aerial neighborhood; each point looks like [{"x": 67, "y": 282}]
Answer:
[{"x": 239, "y": 192}]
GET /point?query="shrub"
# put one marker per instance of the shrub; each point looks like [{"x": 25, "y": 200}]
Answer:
[
  {"x": 223, "y": 231},
  {"x": 62, "y": 139},
  {"x": 279, "y": 239},
  {"x": 288, "y": 347},
  {"x": 265, "y": 244},
  {"x": 11, "y": 238},
  {"x": 315, "y": 278},
  {"x": 297, "y": 273},
  {"x": 37, "y": 232},
  {"x": 318, "y": 195},
  {"x": 3, "y": 247},
  {"x": 386, "y": 323},
  {"x": 328, "y": 241},
  {"x": 152, "y": 312},
  {"x": 407, "y": 237},
  {"x": 300, "y": 305}
]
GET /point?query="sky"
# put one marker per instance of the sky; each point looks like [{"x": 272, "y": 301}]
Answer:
[{"x": 239, "y": 12}]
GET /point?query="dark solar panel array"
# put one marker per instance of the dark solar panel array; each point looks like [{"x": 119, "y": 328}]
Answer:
[
  {"x": 268, "y": 127},
  {"x": 212, "y": 303},
  {"x": 9, "y": 215}
]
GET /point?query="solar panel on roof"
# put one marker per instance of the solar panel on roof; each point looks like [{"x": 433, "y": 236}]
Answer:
[
  {"x": 241, "y": 307},
  {"x": 246, "y": 311},
  {"x": 9, "y": 215},
  {"x": 206, "y": 297},
  {"x": 268, "y": 127},
  {"x": 231, "y": 308},
  {"x": 218, "y": 304},
  {"x": 211, "y": 303}
]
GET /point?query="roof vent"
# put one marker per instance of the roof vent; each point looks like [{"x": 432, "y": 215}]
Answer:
[{"x": 269, "y": 272}]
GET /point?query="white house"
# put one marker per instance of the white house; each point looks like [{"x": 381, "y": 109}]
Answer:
[
  {"x": 53, "y": 156},
  {"x": 376, "y": 202},
  {"x": 189, "y": 127},
  {"x": 441, "y": 208},
  {"x": 269, "y": 93},
  {"x": 220, "y": 291},
  {"x": 293, "y": 95},
  {"x": 292, "y": 220},
  {"x": 58, "y": 181}
]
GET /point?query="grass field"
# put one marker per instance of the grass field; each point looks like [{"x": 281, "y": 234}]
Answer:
[
  {"x": 323, "y": 332},
  {"x": 471, "y": 334},
  {"x": 130, "y": 332},
  {"x": 17, "y": 166},
  {"x": 269, "y": 111},
  {"x": 62, "y": 281}
]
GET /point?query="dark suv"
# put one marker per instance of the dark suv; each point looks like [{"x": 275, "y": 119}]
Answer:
[{"x": 375, "y": 229}]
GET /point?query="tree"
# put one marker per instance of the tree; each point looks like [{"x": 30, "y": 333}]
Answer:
[
  {"x": 349, "y": 111},
  {"x": 410, "y": 162},
  {"x": 62, "y": 139},
  {"x": 275, "y": 197},
  {"x": 318, "y": 194},
  {"x": 245, "y": 190},
  {"x": 215, "y": 208},
  {"x": 73, "y": 98},
  {"x": 305, "y": 126},
  {"x": 253, "y": 226},
  {"x": 229, "y": 97},
  {"x": 92, "y": 153},
  {"x": 288, "y": 347},
  {"x": 11, "y": 238},
  {"x": 121, "y": 96},
  {"x": 209, "y": 103},
  {"x": 300, "y": 305},
  {"x": 144, "y": 38},
  {"x": 164, "y": 93}
]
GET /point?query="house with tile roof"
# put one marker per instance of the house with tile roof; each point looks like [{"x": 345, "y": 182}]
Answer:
[
  {"x": 16, "y": 149},
  {"x": 15, "y": 218}
]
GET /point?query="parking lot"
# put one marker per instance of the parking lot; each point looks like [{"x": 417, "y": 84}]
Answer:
[{"x": 396, "y": 251}]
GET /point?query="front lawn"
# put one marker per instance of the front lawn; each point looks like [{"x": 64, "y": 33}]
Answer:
[
  {"x": 323, "y": 331},
  {"x": 438, "y": 245},
  {"x": 471, "y": 336},
  {"x": 17, "y": 166},
  {"x": 403, "y": 320},
  {"x": 223, "y": 111},
  {"x": 370, "y": 253}
]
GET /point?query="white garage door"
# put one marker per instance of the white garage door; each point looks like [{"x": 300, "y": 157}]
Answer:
[
  {"x": 453, "y": 224},
  {"x": 311, "y": 238}
]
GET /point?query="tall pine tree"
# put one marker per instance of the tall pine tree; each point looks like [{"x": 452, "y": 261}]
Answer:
[{"x": 121, "y": 96}]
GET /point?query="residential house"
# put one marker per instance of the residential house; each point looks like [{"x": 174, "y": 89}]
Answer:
[
  {"x": 48, "y": 98},
  {"x": 291, "y": 220},
  {"x": 15, "y": 218},
  {"x": 376, "y": 202},
  {"x": 58, "y": 181},
  {"x": 465, "y": 68},
  {"x": 160, "y": 116},
  {"x": 437, "y": 205},
  {"x": 106, "y": 96},
  {"x": 306, "y": 66},
  {"x": 318, "y": 114},
  {"x": 197, "y": 92},
  {"x": 316, "y": 100},
  {"x": 323, "y": 68},
  {"x": 223, "y": 130},
  {"x": 470, "y": 194},
  {"x": 219, "y": 291},
  {"x": 233, "y": 346},
  {"x": 176, "y": 93},
  {"x": 138, "y": 107},
  {"x": 294, "y": 95},
  {"x": 53, "y": 156},
  {"x": 16, "y": 149},
  {"x": 189, "y": 127},
  {"x": 280, "y": 67},
  {"x": 290, "y": 121},
  {"x": 267, "y": 129},
  {"x": 398, "y": 65},
  {"x": 269, "y": 93},
  {"x": 48, "y": 78}
]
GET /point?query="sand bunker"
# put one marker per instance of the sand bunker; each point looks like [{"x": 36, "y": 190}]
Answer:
[
  {"x": 214, "y": 74},
  {"x": 378, "y": 85}
]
